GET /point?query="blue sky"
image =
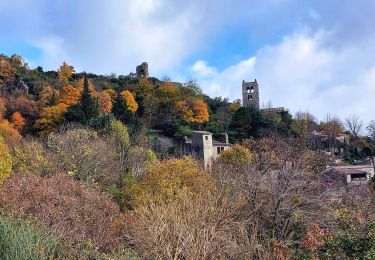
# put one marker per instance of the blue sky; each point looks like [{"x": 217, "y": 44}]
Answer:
[{"x": 316, "y": 56}]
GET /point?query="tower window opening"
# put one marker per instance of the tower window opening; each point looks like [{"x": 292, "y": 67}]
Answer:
[
  {"x": 252, "y": 90},
  {"x": 206, "y": 137},
  {"x": 250, "y": 97}
]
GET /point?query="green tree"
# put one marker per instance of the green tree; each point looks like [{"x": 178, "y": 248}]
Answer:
[
  {"x": 249, "y": 122},
  {"x": 86, "y": 109}
]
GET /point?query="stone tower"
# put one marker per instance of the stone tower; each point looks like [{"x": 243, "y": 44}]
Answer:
[
  {"x": 250, "y": 94},
  {"x": 142, "y": 70}
]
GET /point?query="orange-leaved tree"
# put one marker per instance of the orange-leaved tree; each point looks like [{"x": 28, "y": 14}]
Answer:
[
  {"x": 9, "y": 133},
  {"x": 130, "y": 101},
  {"x": 18, "y": 121},
  {"x": 200, "y": 110},
  {"x": 104, "y": 102},
  {"x": 70, "y": 95}
]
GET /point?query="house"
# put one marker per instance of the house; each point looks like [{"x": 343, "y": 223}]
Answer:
[
  {"x": 202, "y": 147},
  {"x": 349, "y": 175}
]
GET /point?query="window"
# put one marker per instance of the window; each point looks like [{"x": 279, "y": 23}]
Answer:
[
  {"x": 206, "y": 137},
  {"x": 248, "y": 89},
  {"x": 250, "y": 97},
  {"x": 219, "y": 149},
  {"x": 252, "y": 90},
  {"x": 358, "y": 176}
]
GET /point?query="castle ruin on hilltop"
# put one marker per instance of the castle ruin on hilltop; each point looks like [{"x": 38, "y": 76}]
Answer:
[{"x": 142, "y": 70}]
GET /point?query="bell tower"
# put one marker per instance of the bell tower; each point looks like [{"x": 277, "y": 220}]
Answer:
[{"x": 250, "y": 94}]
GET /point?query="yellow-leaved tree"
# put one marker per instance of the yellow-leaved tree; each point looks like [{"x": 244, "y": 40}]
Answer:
[
  {"x": 164, "y": 180},
  {"x": 130, "y": 101},
  {"x": 184, "y": 111},
  {"x": 64, "y": 73},
  {"x": 238, "y": 154},
  {"x": 50, "y": 118}
]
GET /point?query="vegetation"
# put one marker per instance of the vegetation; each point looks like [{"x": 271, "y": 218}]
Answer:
[{"x": 91, "y": 167}]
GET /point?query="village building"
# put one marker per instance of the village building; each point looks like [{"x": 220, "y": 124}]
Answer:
[
  {"x": 204, "y": 148},
  {"x": 349, "y": 175}
]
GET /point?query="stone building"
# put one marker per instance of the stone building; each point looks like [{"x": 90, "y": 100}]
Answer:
[
  {"x": 349, "y": 175},
  {"x": 142, "y": 70},
  {"x": 202, "y": 147},
  {"x": 251, "y": 97},
  {"x": 250, "y": 94}
]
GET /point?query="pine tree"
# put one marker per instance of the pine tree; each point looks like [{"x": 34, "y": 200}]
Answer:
[
  {"x": 120, "y": 109},
  {"x": 88, "y": 105},
  {"x": 86, "y": 109}
]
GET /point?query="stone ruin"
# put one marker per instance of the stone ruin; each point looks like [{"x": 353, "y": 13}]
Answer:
[{"x": 142, "y": 70}]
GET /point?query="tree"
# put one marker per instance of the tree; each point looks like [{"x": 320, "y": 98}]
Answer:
[
  {"x": 5, "y": 161},
  {"x": 247, "y": 122},
  {"x": 236, "y": 155},
  {"x": 70, "y": 95},
  {"x": 332, "y": 127},
  {"x": 200, "y": 110},
  {"x": 50, "y": 118},
  {"x": 9, "y": 133},
  {"x": 7, "y": 73},
  {"x": 120, "y": 109},
  {"x": 64, "y": 73},
  {"x": 371, "y": 129},
  {"x": 18, "y": 121},
  {"x": 86, "y": 109},
  {"x": 354, "y": 125},
  {"x": 150, "y": 104},
  {"x": 184, "y": 111},
  {"x": 104, "y": 102},
  {"x": 303, "y": 124},
  {"x": 88, "y": 105},
  {"x": 130, "y": 101},
  {"x": 163, "y": 181}
]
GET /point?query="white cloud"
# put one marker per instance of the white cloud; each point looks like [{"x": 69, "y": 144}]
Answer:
[
  {"x": 302, "y": 73},
  {"x": 224, "y": 83}
]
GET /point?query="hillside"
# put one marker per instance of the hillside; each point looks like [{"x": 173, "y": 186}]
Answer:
[{"x": 133, "y": 167}]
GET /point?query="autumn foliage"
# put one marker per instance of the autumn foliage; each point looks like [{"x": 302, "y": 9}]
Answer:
[
  {"x": 69, "y": 211},
  {"x": 130, "y": 101},
  {"x": 18, "y": 121},
  {"x": 70, "y": 95}
]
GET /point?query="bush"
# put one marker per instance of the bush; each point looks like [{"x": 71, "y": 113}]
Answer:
[
  {"x": 66, "y": 208},
  {"x": 5, "y": 161},
  {"x": 192, "y": 226},
  {"x": 21, "y": 240}
]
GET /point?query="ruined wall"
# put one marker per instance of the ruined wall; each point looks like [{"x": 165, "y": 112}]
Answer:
[{"x": 142, "y": 70}]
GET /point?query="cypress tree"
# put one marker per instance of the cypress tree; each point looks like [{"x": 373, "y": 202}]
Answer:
[
  {"x": 88, "y": 105},
  {"x": 86, "y": 109}
]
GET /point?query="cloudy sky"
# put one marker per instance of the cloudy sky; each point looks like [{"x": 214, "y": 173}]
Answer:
[{"x": 309, "y": 55}]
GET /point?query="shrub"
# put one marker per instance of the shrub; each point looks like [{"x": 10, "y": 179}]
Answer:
[
  {"x": 5, "y": 161},
  {"x": 192, "y": 226},
  {"x": 66, "y": 208},
  {"x": 21, "y": 240}
]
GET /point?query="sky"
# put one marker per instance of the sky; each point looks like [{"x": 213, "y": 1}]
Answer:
[{"x": 307, "y": 55}]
